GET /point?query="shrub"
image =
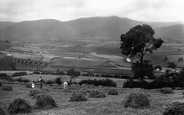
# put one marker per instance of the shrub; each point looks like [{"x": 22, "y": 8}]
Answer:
[
  {"x": 34, "y": 92},
  {"x": 178, "y": 88},
  {"x": 22, "y": 80},
  {"x": 136, "y": 84},
  {"x": 2, "y": 112},
  {"x": 113, "y": 92},
  {"x": 19, "y": 74},
  {"x": 19, "y": 106},
  {"x": 78, "y": 96},
  {"x": 36, "y": 72},
  {"x": 136, "y": 100},
  {"x": 6, "y": 77},
  {"x": 102, "y": 82},
  {"x": 58, "y": 81},
  {"x": 44, "y": 101},
  {"x": 1, "y": 83},
  {"x": 49, "y": 82},
  {"x": 167, "y": 90},
  {"x": 175, "y": 108},
  {"x": 96, "y": 94},
  {"x": 7, "y": 88}
]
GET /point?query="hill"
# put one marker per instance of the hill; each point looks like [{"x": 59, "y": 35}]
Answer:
[
  {"x": 93, "y": 28},
  {"x": 174, "y": 32},
  {"x": 4, "y": 25}
]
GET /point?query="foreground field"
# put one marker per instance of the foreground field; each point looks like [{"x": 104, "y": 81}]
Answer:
[{"x": 110, "y": 105}]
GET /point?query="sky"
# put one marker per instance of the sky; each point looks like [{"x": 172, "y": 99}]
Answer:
[{"x": 64, "y": 10}]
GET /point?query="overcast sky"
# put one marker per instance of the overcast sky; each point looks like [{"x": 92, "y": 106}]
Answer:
[{"x": 142, "y": 10}]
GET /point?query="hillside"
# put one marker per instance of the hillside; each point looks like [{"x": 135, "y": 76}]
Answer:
[
  {"x": 93, "y": 28},
  {"x": 175, "y": 32},
  {"x": 4, "y": 25}
]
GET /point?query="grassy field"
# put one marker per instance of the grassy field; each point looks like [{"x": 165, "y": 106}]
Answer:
[{"x": 110, "y": 105}]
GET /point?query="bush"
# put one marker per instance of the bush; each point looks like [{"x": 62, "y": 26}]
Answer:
[
  {"x": 34, "y": 92},
  {"x": 36, "y": 72},
  {"x": 175, "y": 108},
  {"x": 19, "y": 74},
  {"x": 96, "y": 94},
  {"x": 6, "y": 77},
  {"x": 19, "y": 106},
  {"x": 113, "y": 92},
  {"x": 7, "y": 88},
  {"x": 44, "y": 101},
  {"x": 178, "y": 88},
  {"x": 2, "y": 112},
  {"x": 22, "y": 80},
  {"x": 1, "y": 83},
  {"x": 78, "y": 96},
  {"x": 58, "y": 81},
  {"x": 102, "y": 82},
  {"x": 49, "y": 82},
  {"x": 167, "y": 90},
  {"x": 136, "y": 100}
]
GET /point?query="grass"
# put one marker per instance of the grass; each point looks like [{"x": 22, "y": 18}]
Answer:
[{"x": 110, "y": 105}]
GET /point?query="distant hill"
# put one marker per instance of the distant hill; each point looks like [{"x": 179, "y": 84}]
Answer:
[
  {"x": 174, "y": 32},
  {"x": 4, "y": 25},
  {"x": 85, "y": 28}
]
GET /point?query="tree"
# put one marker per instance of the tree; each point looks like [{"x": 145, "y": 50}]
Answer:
[
  {"x": 72, "y": 73},
  {"x": 158, "y": 67},
  {"x": 171, "y": 65},
  {"x": 139, "y": 41},
  {"x": 180, "y": 59}
]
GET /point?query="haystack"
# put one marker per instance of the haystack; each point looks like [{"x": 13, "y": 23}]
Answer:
[
  {"x": 167, "y": 90},
  {"x": 19, "y": 106},
  {"x": 44, "y": 101},
  {"x": 78, "y": 96},
  {"x": 136, "y": 100},
  {"x": 113, "y": 92},
  {"x": 175, "y": 108},
  {"x": 2, "y": 112},
  {"x": 97, "y": 94},
  {"x": 34, "y": 92},
  {"x": 7, "y": 88}
]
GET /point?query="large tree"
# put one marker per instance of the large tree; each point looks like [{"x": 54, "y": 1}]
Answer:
[{"x": 139, "y": 41}]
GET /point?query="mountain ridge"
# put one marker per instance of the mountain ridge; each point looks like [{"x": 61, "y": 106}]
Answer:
[{"x": 109, "y": 28}]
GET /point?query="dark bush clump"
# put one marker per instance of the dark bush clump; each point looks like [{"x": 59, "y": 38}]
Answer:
[
  {"x": 167, "y": 90},
  {"x": 2, "y": 112},
  {"x": 36, "y": 72},
  {"x": 78, "y": 96},
  {"x": 34, "y": 92},
  {"x": 1, "y": 83},
  {"x": 175, "y": 108},
  {"x": 113, "y": 92},
  {"x": 58, "y": 81},
  {"x": 49, "y": 82},
  {"x": 19, "y": 74},
  {"x": 96, "y": 94},
  {"x": 22, "y": 80},
  {"x": 6, "y": 77},
  {"x": 178, "y": 88},
  {"x": 136, "y": 100},
  {"x": 44, "y": 101},
  {"x": 102, "y": 82},
  {"x": 7, "y": 88},
  {"x": 19, "y": 106}
]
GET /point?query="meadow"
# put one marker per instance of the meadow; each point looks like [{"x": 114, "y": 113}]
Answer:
[{"x": 110, "y": 105}]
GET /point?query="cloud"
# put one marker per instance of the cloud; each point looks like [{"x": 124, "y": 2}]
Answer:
[{"x": 143, "y": 10}]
